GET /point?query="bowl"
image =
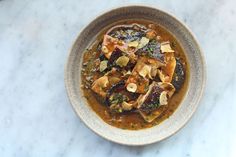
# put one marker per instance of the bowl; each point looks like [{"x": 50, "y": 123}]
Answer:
[{"x": 188, "y": 105}]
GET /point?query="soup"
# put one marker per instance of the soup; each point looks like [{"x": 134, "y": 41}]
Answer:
[{"x": 134, "y": 75}]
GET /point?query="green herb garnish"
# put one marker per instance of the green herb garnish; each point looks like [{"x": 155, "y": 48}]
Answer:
[{"x": 117, "y": 98}]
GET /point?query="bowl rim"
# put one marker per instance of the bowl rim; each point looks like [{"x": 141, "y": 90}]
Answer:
[{"x": 201, "y": 54}]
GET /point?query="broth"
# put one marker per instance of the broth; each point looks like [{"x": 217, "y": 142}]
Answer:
[{"x": 130, "y": 120}]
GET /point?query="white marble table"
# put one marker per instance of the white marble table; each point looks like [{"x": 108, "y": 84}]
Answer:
[{"x": 36, "y": 118}]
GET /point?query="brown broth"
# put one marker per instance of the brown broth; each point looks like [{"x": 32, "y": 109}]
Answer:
[{"x": 133, "y": 120}]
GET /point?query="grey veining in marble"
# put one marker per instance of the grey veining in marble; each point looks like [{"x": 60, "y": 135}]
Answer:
[{"x": 36, "y": 118}]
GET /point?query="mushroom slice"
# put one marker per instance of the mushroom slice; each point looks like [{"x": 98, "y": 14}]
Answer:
[
  {"x": 133, "y": 44},
  {"x": 154, "y": 102},
  {"x": 163, "y": 98},
  {"x": 165, "y": 47},
  {"x": 113, "y": 80},
  {"x": 99, "y": 86},
  {"x": 146, "y": 71},
  {"x": 131, "y": 87},
  {"x": 166, "y": 72},
  {"x": 126, "y": 106},
  {"x": 103, "y": 65},
  {"x": 143, "y": 42},
  {"x": 122, "y": 61},
  {"x": 105, "y": 49}
]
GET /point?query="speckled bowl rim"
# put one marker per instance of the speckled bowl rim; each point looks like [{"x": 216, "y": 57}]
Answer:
[{"x": 204, "y": 76}]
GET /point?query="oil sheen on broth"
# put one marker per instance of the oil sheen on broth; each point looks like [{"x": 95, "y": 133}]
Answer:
[{"x": 166, "y": 74}]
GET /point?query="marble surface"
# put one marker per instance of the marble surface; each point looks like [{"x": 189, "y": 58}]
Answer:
[{"x": 36, "y": 118}]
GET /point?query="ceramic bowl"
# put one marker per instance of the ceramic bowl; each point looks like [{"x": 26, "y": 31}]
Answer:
[{"x": 185, "y": 110}]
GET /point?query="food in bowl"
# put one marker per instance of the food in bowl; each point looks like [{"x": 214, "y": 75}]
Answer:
[{"x": 134, "y": 75}]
